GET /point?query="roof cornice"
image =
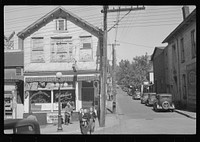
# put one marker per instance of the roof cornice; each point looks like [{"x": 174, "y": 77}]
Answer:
[
  {"x": 55, "y": 14},
  {"x": 186, "y": 22}
]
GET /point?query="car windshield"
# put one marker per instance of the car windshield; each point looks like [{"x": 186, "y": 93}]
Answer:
[{"x": 152, "y": 95}]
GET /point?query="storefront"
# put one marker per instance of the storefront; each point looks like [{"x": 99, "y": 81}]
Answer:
[
  {"x": 13, "y": 98},
  {"x": 42, "y": 94}
]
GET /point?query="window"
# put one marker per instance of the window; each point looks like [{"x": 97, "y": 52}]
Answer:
[
  {"x": 37, "y": 53},
  {"x": 182, "y": 51},
  {"x": 193, "y": 42},
  {"x": 18, "y": 71},
  {"x": 184, "y": 87},
  {"x": 61, "y": 49},
  {"x": 61, "y": 24},
  {"x": 86, "y": 48},
  {"x": 174, "y": 55}
]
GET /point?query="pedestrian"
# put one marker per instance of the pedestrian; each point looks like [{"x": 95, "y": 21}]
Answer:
[
  {"x": 32, "y": 116},
  {"x": 80, "y": 119},
  {"x": 93, "y": 116},
  {"x": 68, "y": 113}
]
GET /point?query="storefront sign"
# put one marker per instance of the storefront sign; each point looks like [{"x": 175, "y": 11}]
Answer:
[{"x": 53, "y": 117}]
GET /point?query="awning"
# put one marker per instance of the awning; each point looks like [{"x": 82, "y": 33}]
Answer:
[
  {"x": 48, "y": 79},
  {"x": 87, "y": 78}
]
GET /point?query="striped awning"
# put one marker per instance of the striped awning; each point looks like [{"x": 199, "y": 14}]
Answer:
[{"x": 48, "y": 79}]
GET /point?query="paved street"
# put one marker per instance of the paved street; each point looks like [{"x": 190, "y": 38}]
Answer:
[{"x": 136, "y": 118}]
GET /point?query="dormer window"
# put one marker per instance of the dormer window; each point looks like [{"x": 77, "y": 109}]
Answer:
[{"x": 61, "y": 25}]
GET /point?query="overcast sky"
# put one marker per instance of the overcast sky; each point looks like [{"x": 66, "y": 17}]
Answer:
[{"x": 138, "y": 32}]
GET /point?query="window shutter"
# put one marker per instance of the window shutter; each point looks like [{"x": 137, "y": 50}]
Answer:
[
  {"x": 65, "y": 24},
  {"x": 56, "y": 24}
]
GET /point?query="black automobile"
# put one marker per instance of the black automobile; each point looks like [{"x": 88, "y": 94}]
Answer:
[
  {"x": 144, "y": 98},
  {"x": 21, "y": 126},
  {"x": 136, "y": 95},
  {"x": 151, "y": 99},
  {"x": 164, "y": 102}
]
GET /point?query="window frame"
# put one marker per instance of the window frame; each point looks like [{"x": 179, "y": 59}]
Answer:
[
  {"x": 54, "y": 49},
  {"x": 193, "y": 44},
  {"x": 18, "y": 71},
  {"x": 182, "y": 50},
  {"x": 58, "y": 24},
  {"x": 42, "y": 60},
  {"x": 86, "y": 40}
]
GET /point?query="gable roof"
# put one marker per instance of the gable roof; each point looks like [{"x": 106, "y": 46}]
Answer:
[
  {"x": 60, "y": 12},
  {"x": 14, "y": 59},
  {"x": 157, "y": 51},
  {"x": 189, "y": 19}
]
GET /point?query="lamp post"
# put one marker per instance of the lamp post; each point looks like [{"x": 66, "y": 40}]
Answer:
[{"x": 58, "y": 76}]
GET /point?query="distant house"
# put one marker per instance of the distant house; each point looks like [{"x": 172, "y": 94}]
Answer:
[
  {"x": 159, "y": 69},
  {"x": 180, "y": 55},
  {"x": 13, "y": 84},
  {"x": 62, "y": 42}
]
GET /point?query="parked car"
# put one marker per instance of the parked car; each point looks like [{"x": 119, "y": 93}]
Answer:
[
  {"x": 21, "y": 126},
  {"x": 130, "y": 92},
  {"x": 136, "y": 95},
  {"x": 151, "y": 99},
  {"x": 164, "y": 102},
  {"x": 144, "y": 98},
  {"x": 125, "y": 89}
]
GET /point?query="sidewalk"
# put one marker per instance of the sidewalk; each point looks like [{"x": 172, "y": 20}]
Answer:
[
  {"x": 186, "y": 113},
  {"x": 111, "y": 120}
]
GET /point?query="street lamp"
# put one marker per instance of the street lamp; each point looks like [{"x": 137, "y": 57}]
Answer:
[{"x": 58, "y": 76}]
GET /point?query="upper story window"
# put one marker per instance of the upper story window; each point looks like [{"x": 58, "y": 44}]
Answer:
[
  {"x": 174, "y": 53},
  {"x": 18, "y": 71},
  {"x": 182, "y": 51},
  {"x": 193, "y": 43},
  {"x": 85, "y": 53},
  {"x": 37, "y": 50},
  {"x": 61, "y": 24},
  {"x": 61, "y": 49}
]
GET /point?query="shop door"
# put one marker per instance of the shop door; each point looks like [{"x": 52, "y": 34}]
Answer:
[{"x": 87, "y": 97}]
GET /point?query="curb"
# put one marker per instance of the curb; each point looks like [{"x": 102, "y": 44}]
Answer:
[{"x": 185, "y": 114}]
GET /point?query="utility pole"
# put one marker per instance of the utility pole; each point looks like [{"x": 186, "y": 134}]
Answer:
[
  {"x": 104, "y": 72},
  {"x": 114, "y": 76},
  {"x": 104, "y": 63}
]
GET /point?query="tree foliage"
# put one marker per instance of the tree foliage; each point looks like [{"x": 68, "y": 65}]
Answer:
[{"x": 133, "y": 73}]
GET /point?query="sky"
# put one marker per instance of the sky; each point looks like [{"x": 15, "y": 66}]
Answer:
[{"x": 137, "y": 33}]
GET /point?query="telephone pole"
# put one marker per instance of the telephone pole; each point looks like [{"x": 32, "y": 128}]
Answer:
[
  {"x": 104, "y": 63},
  {"x": 114, "y": 76},
  {"x": 104, "y": 72}
]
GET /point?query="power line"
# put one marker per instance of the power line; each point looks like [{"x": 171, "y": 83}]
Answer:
[{"x": 135, "y": 44}]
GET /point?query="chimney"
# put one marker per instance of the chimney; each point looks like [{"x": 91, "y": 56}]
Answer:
[{"x": 186, "y": 12}]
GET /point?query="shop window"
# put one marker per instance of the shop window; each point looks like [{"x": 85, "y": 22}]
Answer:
[
  {"x": 37, "y": 52},
  {"x": 65, "y": 96},
  {"x": 40, "y": 96},
  {"x": 61, "y": 49}
]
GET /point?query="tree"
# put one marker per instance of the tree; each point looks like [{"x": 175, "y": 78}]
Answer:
[{"x": 133, "y": 73}]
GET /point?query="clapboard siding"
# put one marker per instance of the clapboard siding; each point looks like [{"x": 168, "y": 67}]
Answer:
[{"x": 49, "y": 31}]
